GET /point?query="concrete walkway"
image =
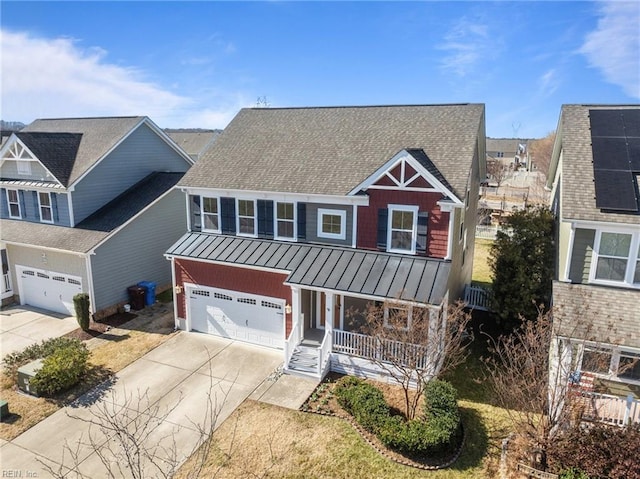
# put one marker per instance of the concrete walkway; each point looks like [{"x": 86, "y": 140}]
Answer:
[
  {"x": 170, "y": 388},
  {"x": 22, "y": 326}
]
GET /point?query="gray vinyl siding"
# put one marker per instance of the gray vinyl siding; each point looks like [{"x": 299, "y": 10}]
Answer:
[
  {"x": 312, "y": 224},
  {"x": 29, "y": 206},
  {"x": 38, "y": 172},
  {"x": 136, "y": 252},
  {"x": 47, "y": 260},
  {"x": 581, "y": 255},
  {"x": 142, "y": 153}
]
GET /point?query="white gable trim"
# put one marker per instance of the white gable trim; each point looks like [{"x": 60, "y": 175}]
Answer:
[
  {"x": 143, "y": 121},
  {"x": 403, "y": 157},
  {"x": 13, "y": 139}
]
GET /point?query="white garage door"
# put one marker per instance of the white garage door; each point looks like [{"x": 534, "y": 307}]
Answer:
[
  {"x": 48, "y": 289},
  {"x": 235, "y": 315}
]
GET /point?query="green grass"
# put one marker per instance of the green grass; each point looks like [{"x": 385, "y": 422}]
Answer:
[{"x": 166, "y": 296}]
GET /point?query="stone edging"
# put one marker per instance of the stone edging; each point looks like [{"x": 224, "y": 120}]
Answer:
[{"x": 384, "y": 452}]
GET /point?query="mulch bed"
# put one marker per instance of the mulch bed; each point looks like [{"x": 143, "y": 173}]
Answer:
[
  {"x": 97, "y": 328},
  {"x": 323, "y": 401}
]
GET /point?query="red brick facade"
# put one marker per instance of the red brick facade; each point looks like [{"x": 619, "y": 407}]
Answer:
[
  {"x": 437, "y": 229},
  {"x": 251, "y": 281}
]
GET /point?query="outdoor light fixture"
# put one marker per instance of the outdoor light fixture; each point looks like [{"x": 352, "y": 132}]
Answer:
[
  {"x": 178, "y": 289},
  {"x": 287, "y": 309}
]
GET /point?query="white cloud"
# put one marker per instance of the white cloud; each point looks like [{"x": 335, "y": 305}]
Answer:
[
  {"x": 614, "y": 46},
  {"x": 548, "y": 83},
  {"x": 468, "y": 44},
  {"x": 57, "y": 78}
]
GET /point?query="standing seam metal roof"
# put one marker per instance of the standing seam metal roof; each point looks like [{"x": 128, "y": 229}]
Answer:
[{"x": 346, "y": 270}]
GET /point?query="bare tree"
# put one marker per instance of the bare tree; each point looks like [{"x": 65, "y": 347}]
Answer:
[
  {"x": 497, "y": 170},
  {"x": 415, "y": 344},
  {"x": 541, "y": 151}
]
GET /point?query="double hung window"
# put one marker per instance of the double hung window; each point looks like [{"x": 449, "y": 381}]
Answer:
[
  {"x": 210, "y": 214},
  {"x": 285, "y": 221},
  {"x": 402, "y": 229},
  {"x": 246, "y": 218},
  {"x": 46, "y": 212},
  {"x": 14, "y": 204}
]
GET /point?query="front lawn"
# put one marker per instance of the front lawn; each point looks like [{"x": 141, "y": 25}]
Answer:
[
  {"x": 481, "y": 271},
  {"x": 143, "y": 334}
]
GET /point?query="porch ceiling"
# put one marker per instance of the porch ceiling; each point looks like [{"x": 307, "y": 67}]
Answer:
[{"x": 345, "y": 270}]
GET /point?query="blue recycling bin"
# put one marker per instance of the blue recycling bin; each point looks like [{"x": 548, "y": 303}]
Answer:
[{"x": 150, "y": 295}]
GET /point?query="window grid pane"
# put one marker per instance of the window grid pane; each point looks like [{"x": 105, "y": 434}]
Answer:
[
  {"x": 615, "y": 244},
  {"x": 210, "y": 205},
  {"x": 246, "y": 217},
  {"x": 331, "y": 224}
]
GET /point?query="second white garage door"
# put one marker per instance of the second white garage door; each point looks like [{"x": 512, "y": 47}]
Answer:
[
  {"x": 236, "y": 315},
  {"x": 48, "y": 289}
]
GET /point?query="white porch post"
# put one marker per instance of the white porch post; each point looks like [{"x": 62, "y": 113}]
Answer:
[
  {"x": 295, "y": 312},
  {"x": 328, "y": 319}
]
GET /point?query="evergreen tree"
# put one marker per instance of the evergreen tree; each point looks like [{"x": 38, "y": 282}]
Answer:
[{"x": 522, "y": 263}]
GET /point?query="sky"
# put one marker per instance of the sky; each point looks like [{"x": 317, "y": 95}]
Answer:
[{"x": 196, "y": 64}]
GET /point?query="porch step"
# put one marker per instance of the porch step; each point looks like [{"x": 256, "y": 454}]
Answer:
[{"x": 304, "y": 359}]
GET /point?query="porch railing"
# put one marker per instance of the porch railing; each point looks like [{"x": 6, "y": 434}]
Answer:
[
  {"x": 373, "y": 348},
  {"x": 610, "y": 409},
  {"x": 292, "y": 341},
  {"x": 477, "y": 297},
  {"x": 324, "y": 354},
  {"x": 6, "y": 283}
]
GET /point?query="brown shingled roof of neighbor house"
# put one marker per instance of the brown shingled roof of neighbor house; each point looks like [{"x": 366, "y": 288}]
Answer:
[{"x": 331, "y": 150}]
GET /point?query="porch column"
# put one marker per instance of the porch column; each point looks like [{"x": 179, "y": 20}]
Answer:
[
  {"x": 328, "y": 321},
  {"x": 295, "y": 313}
]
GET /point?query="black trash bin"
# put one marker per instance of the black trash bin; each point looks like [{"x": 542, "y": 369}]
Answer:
[{"x": 137, "y": 296}]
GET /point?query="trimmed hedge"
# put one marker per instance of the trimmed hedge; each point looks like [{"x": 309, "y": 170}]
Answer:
[
  {"x": 61, "y": 370},
  {"x": 436, "y": 433},
  {"x": 13, "y": 361}
]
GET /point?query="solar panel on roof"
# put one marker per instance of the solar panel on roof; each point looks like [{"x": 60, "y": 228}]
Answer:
[
  {"x": 606, "y": 123},
  {"x": 615, "y": 144},
  {"x": 615, "y": 190},
  {"x": 610, "y": 153}
]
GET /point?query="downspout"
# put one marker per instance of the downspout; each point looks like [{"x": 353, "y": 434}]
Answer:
[
  {"x": 92, "y": 296},
  {"x": 567, "y": 266},
  {"x": 452, "y": 217},
  {"x": 176, "y": 320},
  {"x": 354, "y": 239}
]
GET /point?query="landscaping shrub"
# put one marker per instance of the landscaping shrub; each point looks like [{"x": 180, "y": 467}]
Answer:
[
  {"x": 364, "y": 402},
  {"x": 437, "y": 432},
  {"x": 81, "y": 307},
  {"x": 61, "y": 369},
  {"x": 573, "y": 473},
  {"x": 599, "y": 451},
  {"x": 13, "y": 361}
]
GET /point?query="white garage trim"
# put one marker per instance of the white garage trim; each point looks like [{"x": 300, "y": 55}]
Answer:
[
  {"x": 235, "y": 315},
  {"x": 49, "y": 290}
]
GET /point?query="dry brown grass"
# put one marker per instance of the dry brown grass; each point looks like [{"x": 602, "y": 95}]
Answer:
[{"x": 143, "y": 334}]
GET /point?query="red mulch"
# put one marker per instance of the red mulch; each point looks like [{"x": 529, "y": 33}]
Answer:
[{"x": 97, "y": 328}]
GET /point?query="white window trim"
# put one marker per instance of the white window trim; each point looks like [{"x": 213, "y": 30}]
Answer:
[
  {"x": 202, "y": 215},
  {"x": 343, "y": 224},
  {"x": 40, "y": 206},
  {"x": 614, "y": 364},
  {"x": 409, "y": 310},
  {"x": 9, "y": 203},
  {"x": 255, "y": 218},
  {"x": 414, "y": 230},
  {"x": 276, "y": 219},
  {"x": 631, "y": 259}
]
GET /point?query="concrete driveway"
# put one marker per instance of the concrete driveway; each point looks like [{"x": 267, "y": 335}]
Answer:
[
  {"x": 170, "y": 385},
  {"x": 22, "y": 326}
]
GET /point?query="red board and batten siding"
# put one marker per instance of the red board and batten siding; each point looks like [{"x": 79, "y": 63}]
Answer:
[
  {"x": 437, "y": 229},
  {"x": 246, "y": 280}
]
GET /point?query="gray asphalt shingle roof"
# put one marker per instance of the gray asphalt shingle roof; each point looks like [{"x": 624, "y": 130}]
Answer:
[
  {"x": 98, "y": 136},
  {"x": 384, "y": 275},
  {"x": 577, "y": 177},
  {"x": 194, "y": 141},
  {"x": 331, "y": 150},
  {"x": 94, "y": 229},
  {"x": 56, "y": 151}
]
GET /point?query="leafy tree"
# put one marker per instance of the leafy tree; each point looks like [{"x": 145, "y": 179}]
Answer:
[{"x": 522, "y": 263}]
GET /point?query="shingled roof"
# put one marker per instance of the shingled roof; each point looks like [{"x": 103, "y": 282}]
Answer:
[
  {"x": 331, "y": 150},
  {"x": 98, "y": 137},
  {"x": 577, "y": 175},
  {"x": 94, "y": 229},
  {"x": 56, "y": 151}
]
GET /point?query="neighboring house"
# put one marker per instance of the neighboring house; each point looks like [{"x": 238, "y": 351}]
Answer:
[
  {"x": 88, "y": 205},
  {"x": 299, "y": 217},
  {"x": 596, "y": 298},
  {"x": 194, "y": 141},
  {"x": 510, "y": 152}
]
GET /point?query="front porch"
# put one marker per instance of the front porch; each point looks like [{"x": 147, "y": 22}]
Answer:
[{"x": 317, "y": 345}]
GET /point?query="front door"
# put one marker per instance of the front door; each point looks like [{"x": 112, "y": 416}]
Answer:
[{"x": 321, "y": 310}]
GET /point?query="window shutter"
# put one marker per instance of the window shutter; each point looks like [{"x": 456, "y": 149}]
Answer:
[
  {"x": 228, "y": 215},
  {"x": 22, "y": 205},
  {"x": 54, "y": 207},
  {"x": 195, "y": 213},
  {"x": 265, "y": 219},
  {"x": 36, "y": 205},
  {"x": 5, "y": 203},
  {"x": 421, "y": 240},
  {"x": 383, "y": 217},
  {"x": 302, "y": 221}
]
